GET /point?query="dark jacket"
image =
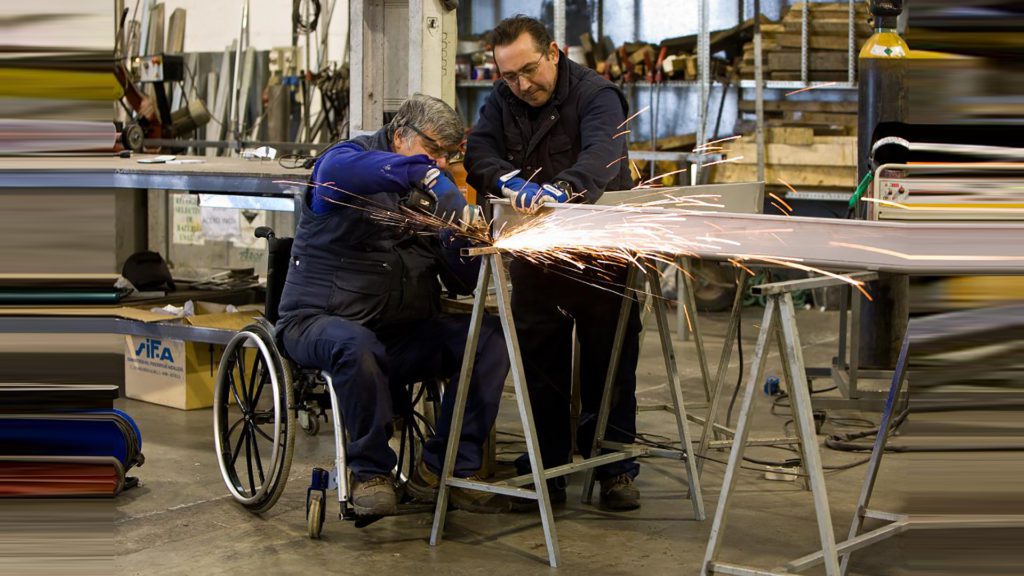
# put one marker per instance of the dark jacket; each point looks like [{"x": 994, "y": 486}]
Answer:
[
  {"x": 572, "y": 141},
  {"x": 347, "y": 263}
]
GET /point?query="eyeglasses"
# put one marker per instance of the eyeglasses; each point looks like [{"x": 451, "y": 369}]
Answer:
[
  {"x": 528, "y": 72},
  {"x": 435, "y": 148}
]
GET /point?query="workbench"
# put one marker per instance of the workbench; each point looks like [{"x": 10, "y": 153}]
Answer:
[{"x": 88, "y": 213}]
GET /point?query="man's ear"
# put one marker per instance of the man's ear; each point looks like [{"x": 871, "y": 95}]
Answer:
[
  {"x": 397, "y": 142},
  {"x": 552, "y": 50}
]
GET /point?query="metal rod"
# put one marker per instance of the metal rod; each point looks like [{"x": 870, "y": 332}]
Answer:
[
  {"x": 802, "y": 413},
  {"x": 878, "y": 450},
  {"x": 461, "y": 394},
  {"x": 675, "y": 386},
  {"x": 739, "y": 440},
  {"x": 805, "y": 13},
  {"x": 698, "y": 338},
  {"x": 525, "y": 409},
  {"x": 810, "y": 283}
]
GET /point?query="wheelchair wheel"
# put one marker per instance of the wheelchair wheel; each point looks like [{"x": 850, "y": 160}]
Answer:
[
  {"x": 309, "y": 421},
  {"x": 253, "y": 424},
  {"x": 315, "y": 515},
  {"x": 414, "y": 428}
]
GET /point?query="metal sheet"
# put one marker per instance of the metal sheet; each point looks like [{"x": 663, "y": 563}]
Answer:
[
  {"x": 233, "y": 175},
  {"x": 847, "y": 245}
]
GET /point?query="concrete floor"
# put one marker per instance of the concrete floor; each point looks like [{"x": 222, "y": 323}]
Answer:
[{"x": 182, "y": 521}]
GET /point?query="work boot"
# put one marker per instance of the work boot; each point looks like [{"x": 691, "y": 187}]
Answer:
[
  {"x": 423, "y": 484},
  {"x": 374, "y": 496},
  {"x": 619, "y": 493},
  {"x": 478, "y": 501}
]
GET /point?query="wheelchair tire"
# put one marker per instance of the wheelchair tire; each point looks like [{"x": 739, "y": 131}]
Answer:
[
  {"x": 252, "y": 414},
  {"x": 315, "y": 515}
]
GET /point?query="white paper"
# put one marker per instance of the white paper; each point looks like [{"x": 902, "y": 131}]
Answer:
[
  {"x": 250, "y": 220},
  {"x": 186, "y": 222},
  {"x": 220, "y": 223}
]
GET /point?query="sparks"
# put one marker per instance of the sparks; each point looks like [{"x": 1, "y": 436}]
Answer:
[
  {"x": 626, "y": 121},
  {"x": 815, "y": 87},
  {"x": 623, "y": 133},
  {"x": 781, "y": 201},
  {"x": 616, "y": 161}
]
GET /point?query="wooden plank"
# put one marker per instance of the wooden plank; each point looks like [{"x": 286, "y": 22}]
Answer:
[
  {"x": 804, "y": 105},
  {"x": 832, "y": 154},
  {"x": 796, "y": 135},
  {"x": 795, "y": 175},
  {"x": 818, "y": 41},
  {"x": 859, "y": 7},
  {"x": 820, "y": 117},
  {"x": 820, "y": 130},
  {"x": 828, "y": 26},
  {"x": 815, "y": 61},
  {"x": 669, "y": 143}
]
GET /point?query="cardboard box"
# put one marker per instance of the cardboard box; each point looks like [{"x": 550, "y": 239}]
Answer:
[{"x": 176, "y": 373}]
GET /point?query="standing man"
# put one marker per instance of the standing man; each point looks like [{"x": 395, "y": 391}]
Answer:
[
  {"x": 554, "y": 117},
  {"x": 362, "y": 302}
]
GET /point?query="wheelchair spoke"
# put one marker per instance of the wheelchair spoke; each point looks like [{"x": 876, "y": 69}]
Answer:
[
  {"x": 248, "y": 460},
  {"x": 264, "y": 377},
  {"x": 426, "y": 423},
  {"x": 262, "y": 433},
  {"x": 240, "y": 361},
  {"x": 257, "y": 373},
  {"x": 234, "y": 391},
  {"x": 238, "y": 445},
  {"x": 256, "y": 452}
]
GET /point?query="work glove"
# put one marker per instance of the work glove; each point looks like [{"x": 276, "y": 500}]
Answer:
[
  {"x": 527, "y": 196},
  {"x": 449, "y": 203}
]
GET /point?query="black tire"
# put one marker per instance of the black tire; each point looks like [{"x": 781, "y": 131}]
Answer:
[
  {"x": 253, "y": 396},
  {"x": 714, "y": 286},
  {"x": 312, "y": 426}
]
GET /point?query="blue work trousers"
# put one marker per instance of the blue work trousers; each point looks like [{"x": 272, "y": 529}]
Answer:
[
  {"x": 547, "y": 302},
  {"x": 369, "y": 369}
]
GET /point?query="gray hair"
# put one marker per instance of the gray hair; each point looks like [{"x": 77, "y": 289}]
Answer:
[{"x": 431, "y": 115}]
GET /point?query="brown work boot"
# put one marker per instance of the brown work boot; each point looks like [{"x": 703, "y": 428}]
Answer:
[
  {"x": 374, "y": 496},
  {"x": 479, "y": 501},
  {"x": 619, "y": 493},
  {"x": 423, "y": 484}
]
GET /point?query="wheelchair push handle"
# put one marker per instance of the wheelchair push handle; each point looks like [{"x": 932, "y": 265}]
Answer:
[{"x": 264, "y": 232}]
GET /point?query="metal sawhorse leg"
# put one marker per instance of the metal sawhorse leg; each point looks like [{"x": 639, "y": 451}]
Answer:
[
  {"x": 492, "y": 266},
  {"x": 779, "y": 309}
]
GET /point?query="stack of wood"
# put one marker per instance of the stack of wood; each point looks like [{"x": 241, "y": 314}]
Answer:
[
  {"x": 793, "y": 155},
  {"x": 828, "y": 43},
  {"x": 825, "y": 118}
]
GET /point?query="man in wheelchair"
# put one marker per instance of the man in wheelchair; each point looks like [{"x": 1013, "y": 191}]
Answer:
[{"x": 362, "y": 301}]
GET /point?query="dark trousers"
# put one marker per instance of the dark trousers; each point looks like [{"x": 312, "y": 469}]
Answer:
[
  {"x": 545, "y": 304},
  {"x": 369, "y": 369}
]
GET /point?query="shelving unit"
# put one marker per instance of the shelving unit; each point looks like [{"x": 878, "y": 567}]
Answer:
[{"x": 704, "y": 84}]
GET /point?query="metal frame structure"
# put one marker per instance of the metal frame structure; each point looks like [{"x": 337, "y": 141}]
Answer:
[
  {"x": 493, "y": 267},
  {"x": 779, "y": 314}
]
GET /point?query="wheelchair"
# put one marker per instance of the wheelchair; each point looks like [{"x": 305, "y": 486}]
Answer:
[{"x": 262, "y": 400}]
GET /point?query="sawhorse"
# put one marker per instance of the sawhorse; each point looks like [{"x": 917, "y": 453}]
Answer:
[
  {"x": 492, "y": 266},
  {"x": 779, "y": 311}
]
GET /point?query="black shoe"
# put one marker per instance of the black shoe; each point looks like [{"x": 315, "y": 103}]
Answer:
[
  {"x": 619, "y": 493},
  {"x": 374, "y": 496}
]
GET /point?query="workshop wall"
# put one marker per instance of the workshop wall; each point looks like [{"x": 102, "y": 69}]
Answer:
[{"x": 213, "y": 24}]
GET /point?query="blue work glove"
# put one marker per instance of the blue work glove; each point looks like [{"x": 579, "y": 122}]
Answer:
[
  {"x": 527, "y": 196},
  {"x": 449, "y": 203}
]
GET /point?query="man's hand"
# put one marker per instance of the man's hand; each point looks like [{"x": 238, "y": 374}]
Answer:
[{"x": 450, "y": 204}]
